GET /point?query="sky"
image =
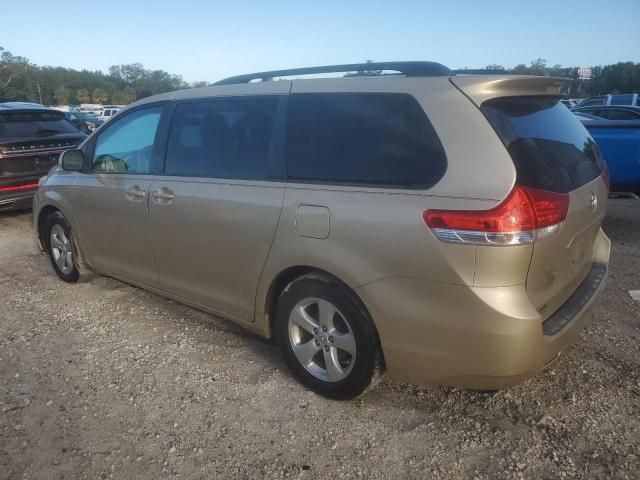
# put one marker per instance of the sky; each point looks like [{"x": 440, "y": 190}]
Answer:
[{"x": 210, "y": 40}]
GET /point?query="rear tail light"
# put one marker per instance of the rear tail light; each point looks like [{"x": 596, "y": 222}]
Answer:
[{"x": 525, "y": 215}]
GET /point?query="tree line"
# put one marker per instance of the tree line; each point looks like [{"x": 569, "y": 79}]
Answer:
[
  {"x": 21, "y": 80},
  {"x": 621, "y": 77}
]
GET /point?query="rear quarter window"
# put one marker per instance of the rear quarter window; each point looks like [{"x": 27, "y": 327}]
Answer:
[
  {"x": 374, "y": 139},
  {"x": 549, "y": 146}
]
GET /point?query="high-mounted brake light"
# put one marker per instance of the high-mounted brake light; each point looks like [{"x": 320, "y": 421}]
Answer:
[{"x": 525, "y": 215}]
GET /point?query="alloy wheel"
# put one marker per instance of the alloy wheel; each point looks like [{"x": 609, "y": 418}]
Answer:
[
  {"x": 322, "y": 339},
  {"x": 61, "y": 249}
]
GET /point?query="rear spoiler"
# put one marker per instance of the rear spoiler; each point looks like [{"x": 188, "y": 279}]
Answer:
[{"x": 480, "y": 88}]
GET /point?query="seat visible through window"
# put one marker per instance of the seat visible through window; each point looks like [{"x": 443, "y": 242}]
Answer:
[{"x": 222, "y": 138}]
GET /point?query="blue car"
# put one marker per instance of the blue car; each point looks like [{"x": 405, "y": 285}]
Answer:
[{"x": 619, "y": 142}]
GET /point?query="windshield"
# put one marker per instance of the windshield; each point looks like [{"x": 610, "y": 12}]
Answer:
[
  {"x": 549, "y": 146},
  {"x": 34, "y": 124}
]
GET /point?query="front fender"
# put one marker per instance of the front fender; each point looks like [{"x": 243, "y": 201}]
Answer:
[{"x": 55, "y": 193}]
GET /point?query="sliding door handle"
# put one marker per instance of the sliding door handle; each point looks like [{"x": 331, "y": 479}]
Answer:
[
  {"x": 163, "y": 195},
  {"x": 136, "y": 193}
]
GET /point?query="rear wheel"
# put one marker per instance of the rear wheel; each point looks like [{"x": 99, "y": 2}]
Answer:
[
  {"x": 60, "y": 247},
  {"x": 327, "y": 337}
]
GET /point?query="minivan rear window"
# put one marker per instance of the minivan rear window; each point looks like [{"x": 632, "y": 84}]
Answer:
[
  {"x": 376, "y": 139},
  {"x": 549, "y": 146},
  {"x": 28, "y": 124}
]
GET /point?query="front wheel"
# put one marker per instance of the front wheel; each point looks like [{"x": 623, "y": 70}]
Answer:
[
  {"x": 60, "y": 247},
  {"x": 327, "y": 337}
]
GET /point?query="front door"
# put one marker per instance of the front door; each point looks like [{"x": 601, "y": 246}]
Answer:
[
  {"x": 112, "y": 197},
  {"x": 214, "y": 212}
]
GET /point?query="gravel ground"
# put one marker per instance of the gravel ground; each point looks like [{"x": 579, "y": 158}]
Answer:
[{"x": 103, "y": 380}]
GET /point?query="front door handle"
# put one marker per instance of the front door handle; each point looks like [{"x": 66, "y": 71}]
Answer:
[
  {"x": 136, "y": 193},
  {"x": 162, "y": 196}
]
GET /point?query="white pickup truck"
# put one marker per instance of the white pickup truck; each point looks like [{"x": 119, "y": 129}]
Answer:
[{"x": 108, "y": 111}]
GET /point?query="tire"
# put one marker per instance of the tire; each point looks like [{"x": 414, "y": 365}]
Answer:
[
  {"x": 344, "y": 360},
  {"x": 60, "y": 247}
]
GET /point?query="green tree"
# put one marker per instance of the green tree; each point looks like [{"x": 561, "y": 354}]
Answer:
[
  {"x": 199, "y": 84},
  {"x": 124, "y": 97},
  {"x": 83, "y": 96},
  {"x": 16, "y": 83},
  {"x": 99, "y": 95},
  {"x": 61, "y": 95},
  {"x": 132, "y": 73},
  {"x": 129, "y": 95},
  {"x": 117, "y": 97},
  {"x": 22, "y": 80},
  {"x": 623, "y": 77},
  {"x": 520, "y": 69},
  {"x": 538, "y": 67},
  {"x": 7, "y": 68},
  {"x": 115, "y": 71}
]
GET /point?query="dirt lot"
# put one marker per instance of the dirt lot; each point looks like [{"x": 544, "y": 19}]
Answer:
[{"x": 102, "y": 380}]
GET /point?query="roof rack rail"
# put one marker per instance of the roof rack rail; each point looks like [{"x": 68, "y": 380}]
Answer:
[{"x": 410, "y": 69}]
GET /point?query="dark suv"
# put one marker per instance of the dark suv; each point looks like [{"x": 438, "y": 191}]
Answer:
[{"x": 31, "y": 140}]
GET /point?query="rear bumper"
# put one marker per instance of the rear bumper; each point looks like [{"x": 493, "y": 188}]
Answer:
[
  {"x": 20, "y": 201},
  {"x": 18, "y": 198},
  {"x": 473, "y": 337}
]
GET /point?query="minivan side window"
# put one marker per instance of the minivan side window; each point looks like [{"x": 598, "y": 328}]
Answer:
[
  {"x": 374, "y": 139},
  {"x": 127, "y": 144},
  {"x": 222, "y": 138}
]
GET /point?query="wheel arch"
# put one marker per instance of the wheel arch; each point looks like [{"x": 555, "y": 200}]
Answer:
[
  {"x": 40, "y": 223},
  {"x": 43, "y": 215},
  {"x": 284, "y": 278},
  {"x": 49, "y": 200}
]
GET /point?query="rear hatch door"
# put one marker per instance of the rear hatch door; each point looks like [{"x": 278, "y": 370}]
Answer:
[
  {"x": 551, "y": 151},
  {"x": 31, "y": 141}
]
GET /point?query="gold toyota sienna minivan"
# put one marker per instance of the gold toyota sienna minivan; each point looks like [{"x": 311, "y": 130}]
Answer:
[{"x": 442, "y": 227}]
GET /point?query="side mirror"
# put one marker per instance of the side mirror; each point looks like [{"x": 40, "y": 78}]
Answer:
[{"x": 72, "y": 160}]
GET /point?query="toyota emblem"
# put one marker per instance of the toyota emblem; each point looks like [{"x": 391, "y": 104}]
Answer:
[{"x": 593, "y": 200}]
